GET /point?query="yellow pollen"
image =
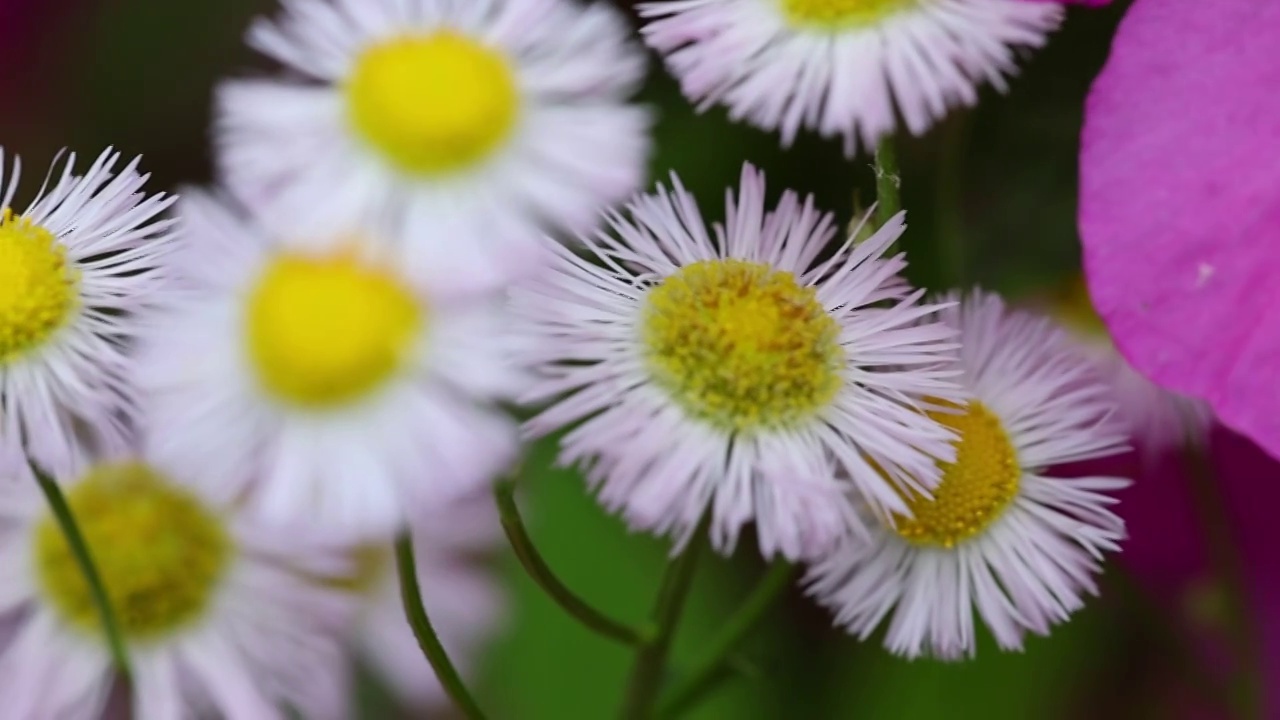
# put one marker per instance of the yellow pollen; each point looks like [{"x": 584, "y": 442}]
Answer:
[
  {"x": 741, "y": 345},
  {"x": 839, "y": 14},
  {"x": 327, "y": 330},
  {"x": 975, "y": 489},
  {"x": 162, "y": 554},
  {"x": 38, "y": 286},
  {"x": 434, "y": 103}
]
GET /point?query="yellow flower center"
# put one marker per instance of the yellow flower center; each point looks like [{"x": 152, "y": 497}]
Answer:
[
  {"x": 38, "y": 287},
  {"x": 433, "y": 103},
  {"x": 741, "y": 345},
  {"x": 161, "y": 553},
  {"x": 975, "y": 489},
  {"x": 327, "y": 330},
  {"x": 839, "y": 14}
]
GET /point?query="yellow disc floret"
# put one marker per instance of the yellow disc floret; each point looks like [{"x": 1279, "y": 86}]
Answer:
[
  {"x": 433, "y": 103},
  {"x": 38, "y": 287},
  {"x": 327, "y": 330},
  {"x": 161, "y": 554},
  {"x": 741, "y": 344},
  {"x": 838, "y": 14},
  {"x": 975, "y": 489}
]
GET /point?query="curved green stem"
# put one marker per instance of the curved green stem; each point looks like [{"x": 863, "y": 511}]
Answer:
[
  {"x": 84, "y": 558},
  {"x": 715, "y": 667},
  {"x": 416, "y": 613},
  {"x": 540, "y": 572},
  {"x": 651, "y": 658},
  {"x": 888, "y": 181},
  {"x": 1215, "y": 520}
]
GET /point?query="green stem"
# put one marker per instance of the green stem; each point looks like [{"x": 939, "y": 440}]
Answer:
[
  {"x": 715, "y": 666},
  {"x": 888, "y": 181},
  {"x": 416, "y": 613},
  {"x": 651, "y": 657},
  {"x": 540, "y": 572},
  {"x": 1244, "y": 636},
  {"x": 949, "y": 201},
  {"x": 84, "y": 558}
]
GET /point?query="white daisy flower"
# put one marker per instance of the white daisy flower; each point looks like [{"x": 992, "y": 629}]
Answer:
[
  {"x": 318, "y": 383},
  {"x": 999, "y": 536},
  {"x": 843, "y": 67},
  {"x": 75, "y": 268},
  {"x": 215, "y": 619},
  {"x": 1158, "y": 420},
  {"x": 470, "y": 125},
  {"x": 462, "y": 598},
  {"x": 739, "y": 373}
]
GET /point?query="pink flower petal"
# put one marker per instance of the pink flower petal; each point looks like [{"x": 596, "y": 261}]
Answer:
[{"x": 1180, "y": 202}]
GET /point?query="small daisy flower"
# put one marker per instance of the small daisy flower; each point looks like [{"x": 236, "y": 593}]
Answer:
[
  {"x": 843, "y": 67},
  {"x": 317, "y": 383},
  {"x": 215, "y": 619},
  {"x": 1159, "y": 420},
  {"x": 75, "y": 268},
  {"x": 463, "y": 600},
  {"x": 998, "y": 535},
  {"x": 468, "y": 125},
  {"x": 739, "y": 374}
]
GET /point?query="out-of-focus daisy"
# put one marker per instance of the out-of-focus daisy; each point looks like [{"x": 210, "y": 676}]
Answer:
[
  {"x": 998, "y": 536},
  {"x": 461, "y": 597},
  {"x": 843, "y": 67},
  {"x": 214, "y": 616},
  {"x": 1159, "y": 420},
  {"x": 739, "y": 373},
  {"x": 75, "y": 268},
  {"x": 468, "y": 125},
  {"x": 318, "y": 383}
]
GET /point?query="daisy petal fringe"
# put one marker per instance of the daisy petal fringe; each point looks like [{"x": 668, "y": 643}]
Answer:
[
  {"x": 999, "y": 536},
  {"x": 519, "y": 123},
  {"x": 82, "y": 262},
  {"x": 217, "y": 614},
  {"x": 841, "y": 69},
  {"x": 657, "y": 453},
  {"x": 315, "y": 381}
]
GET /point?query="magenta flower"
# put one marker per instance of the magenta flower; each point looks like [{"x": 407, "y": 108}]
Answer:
[{"x": 1180, "y": 202}]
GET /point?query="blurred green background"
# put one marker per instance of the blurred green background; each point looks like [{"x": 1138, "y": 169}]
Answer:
[{"x": 138, "y": 74}]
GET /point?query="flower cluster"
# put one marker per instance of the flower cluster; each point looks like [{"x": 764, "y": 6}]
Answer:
[
  {"x": 239, "y": 407},
  {"x": 243, "y": 404}
]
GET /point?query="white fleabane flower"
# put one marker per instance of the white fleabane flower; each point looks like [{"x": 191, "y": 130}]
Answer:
[
  {"x": 1159, "y": 420},
  {"x": 318, "y": 383},
  {"x": 76, "y": 266},
  {"x": 213, "y": 613},
  {"x": 467, "y": 126},
  {"x": 738, "y": 373},
  {"x": 999, "y": 536},
  {"x": 843, "y": 68}
]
